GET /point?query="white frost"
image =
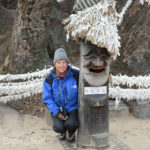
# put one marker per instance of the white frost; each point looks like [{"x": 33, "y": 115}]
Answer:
[
  {"x": 59, "y": 1},
  {"x": 10, "y": 90},
  {"x": 142, "y": 1},
  {"x": 97, "y": 24}
]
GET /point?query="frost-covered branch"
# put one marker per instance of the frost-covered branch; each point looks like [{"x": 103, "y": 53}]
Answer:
[
  {"x": 27, "y": 76},
  {"x": 120, "y": 16},
  {"x": 21, "y": 83},
  {"x": 116, "y": 92},
  {"x": 139, "y": 81},
  {"x": 16, "y": 91},
  {"x": 129, "y": 94},
  {"x": 6, "y": 99},
  {"x": 12, "y": 90}
]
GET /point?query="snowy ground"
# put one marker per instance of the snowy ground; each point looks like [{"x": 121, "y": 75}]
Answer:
[{"x": 32, "y": 133}]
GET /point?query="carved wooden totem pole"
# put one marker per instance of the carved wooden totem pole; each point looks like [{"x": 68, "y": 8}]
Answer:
[
  {"x": 93, "y": 96},
  {"x": 96, "y": 30}
]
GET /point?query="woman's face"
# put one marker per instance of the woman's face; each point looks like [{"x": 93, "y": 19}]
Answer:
[{"x": 61, "y": 65}]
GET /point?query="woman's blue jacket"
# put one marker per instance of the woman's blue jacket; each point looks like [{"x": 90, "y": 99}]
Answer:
[{"x": 61, "y": 93}]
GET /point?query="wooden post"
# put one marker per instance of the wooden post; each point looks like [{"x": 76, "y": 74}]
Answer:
[{"x": 93, "y": 96}]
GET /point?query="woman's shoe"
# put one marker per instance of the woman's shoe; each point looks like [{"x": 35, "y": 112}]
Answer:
[
  {"x": 71, "y": 137},
  {"x": 62, "y": 136}
]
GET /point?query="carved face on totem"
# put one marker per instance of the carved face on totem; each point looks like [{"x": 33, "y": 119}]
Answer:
[{"x": 96, "y": 64}]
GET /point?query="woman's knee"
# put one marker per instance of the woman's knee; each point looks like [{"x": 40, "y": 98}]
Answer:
[
  {"x": 59, "y": 128},
  {"x": 72, "y": 125},
  {"x": 58, "y": 125},
  {"x": 73, "y": 121}
]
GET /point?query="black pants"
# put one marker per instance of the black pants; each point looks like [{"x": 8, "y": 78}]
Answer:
[{"x": 70, "y": 125}]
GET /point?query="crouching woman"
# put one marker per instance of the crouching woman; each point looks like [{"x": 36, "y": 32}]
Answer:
[{"x": 60, "y": 94}]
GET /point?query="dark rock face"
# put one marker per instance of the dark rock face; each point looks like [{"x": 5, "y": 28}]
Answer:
[
  {"x": 29, "y": 37},
  {"x": 6, "y": 25},
  {"x": 9, "y": 4},
  {"x": 56, "y": 31},
  {"x": 37, "y": 33},
  {"x": 135, "y": 41}
]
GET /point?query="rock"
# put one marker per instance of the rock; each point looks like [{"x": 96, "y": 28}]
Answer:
[
  {"x": 33, "y": 105},
  {"x": 135, "y": 41},
  {"x": 29, "y": 37},
  {"x": 37, "y": 32},
  {"x": 57, "y": 33},
  {"x": 140, "y": 109},
  {"x": 9, "y": 4},
  {"x": 6, "y": 26},
  {"x": 118, "y": 111}
]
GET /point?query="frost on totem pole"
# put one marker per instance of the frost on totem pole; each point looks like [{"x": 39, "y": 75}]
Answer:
[{"x": 96, "y": 24}]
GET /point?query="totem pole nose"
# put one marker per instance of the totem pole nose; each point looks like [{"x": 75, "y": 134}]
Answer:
[{"x": 98, "y": 62}]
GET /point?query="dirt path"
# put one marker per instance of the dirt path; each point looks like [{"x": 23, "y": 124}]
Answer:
[
  {"x": 25, "y": 132},
  {"x": 133, "y": 132},
  {"x": 32, "y": 133}
]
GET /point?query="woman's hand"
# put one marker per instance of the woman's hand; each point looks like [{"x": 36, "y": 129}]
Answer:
[{"x": 61, "y": 117}]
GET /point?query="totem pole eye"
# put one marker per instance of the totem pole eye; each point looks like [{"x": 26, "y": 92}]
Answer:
[
  {"x": 104, "y": 57},
  {"x": 91, "y": 56}
]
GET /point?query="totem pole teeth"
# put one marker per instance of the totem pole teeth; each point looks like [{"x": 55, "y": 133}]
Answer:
[{"x": 96, "y": 70}]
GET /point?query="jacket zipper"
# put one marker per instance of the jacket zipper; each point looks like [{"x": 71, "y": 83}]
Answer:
[{"x": 67, "y": 95}]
